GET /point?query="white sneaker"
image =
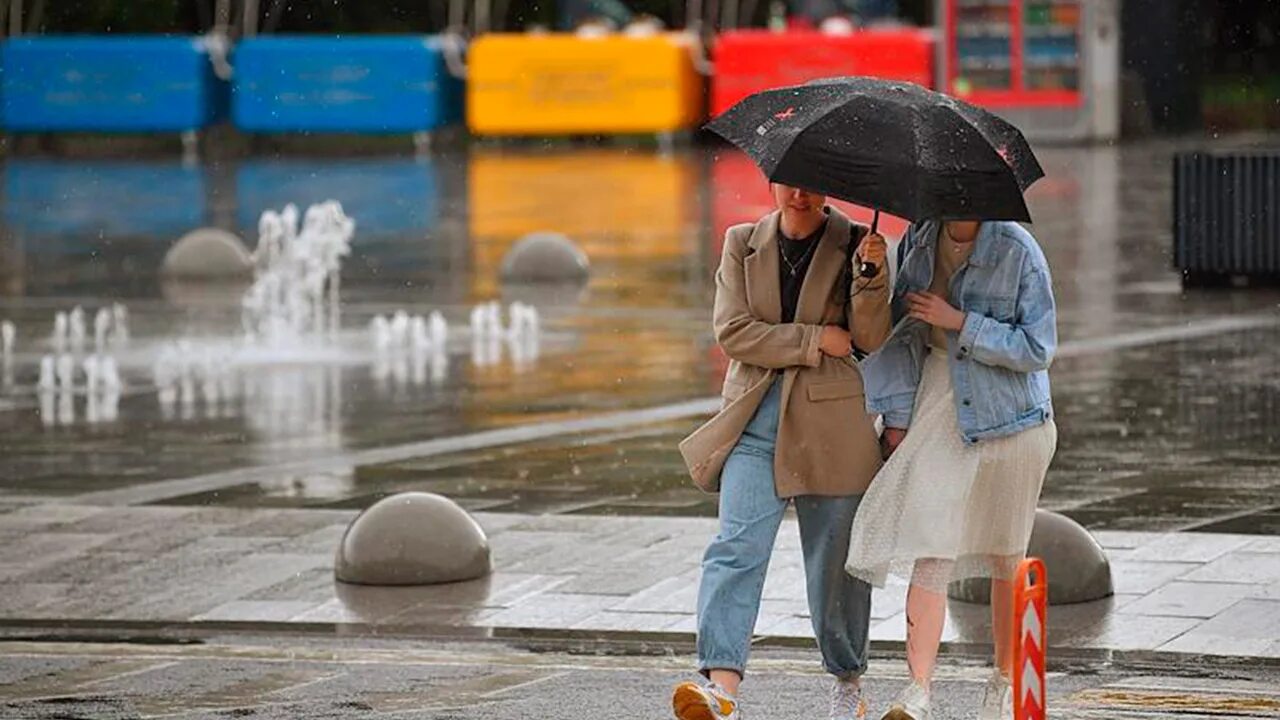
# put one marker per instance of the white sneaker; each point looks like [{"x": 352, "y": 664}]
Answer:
[
  {"x": 692, "y": 701},
  {"x": 997, "y": 700},
  {"x": 846, "y": 700},
  {"x": 912, "y": 704}
]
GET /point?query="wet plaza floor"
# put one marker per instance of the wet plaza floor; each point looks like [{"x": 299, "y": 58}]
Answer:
[{"x": 1168, "y": 401}]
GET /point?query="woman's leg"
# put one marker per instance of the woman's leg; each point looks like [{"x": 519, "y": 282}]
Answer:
[
  {"x": 1002, "y": 625},
  {"x": 735, "y": 563},
  {"x": 839, "y": 604},
  {"x": 1004, "y": 569},
  {"x": 926, "y": 614}
]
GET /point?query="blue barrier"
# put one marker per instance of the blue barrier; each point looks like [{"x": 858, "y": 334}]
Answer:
[
  {"x": 108, "y": 84},
  {"x": 385, "y": 84},
  {"x": 85, "y": 203}
]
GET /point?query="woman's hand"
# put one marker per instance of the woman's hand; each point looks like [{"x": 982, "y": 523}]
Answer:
[
  {"x": 891, "y": 439},
  {"x": 835, "y": 341},
  {"x": 873, "y": 249},
  {"x": 934, "y": 310}
]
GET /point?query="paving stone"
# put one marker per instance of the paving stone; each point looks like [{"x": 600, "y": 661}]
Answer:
[
  {"x": 626, "y": 583},
  {"x": 83, "y": 569},
  {"x": 791, "y": 607},
  {"x": 288, "y": 523},
  {"x": 894, "y": 629},
  {"x": 1144, "y": 577},
  {"x": 1263, "y": 545},
  {"x": 1239, "y": 567},
  {"x": 314, "y": 585},
  {"x": 673, "y": 595},
  {"x": 678, "y": 550},
  {"x": 1265, "y": 592},
  {"x": 550, "y": 610},
  {"x": 1247, "y": 619},
  {"x": 256, "y": 611},
  {"x": 1189, "y": 547},
  {"x": 420, "y": 615},
  {"x": 45, "y": 548},
  {"x": 1129, "y": 632},
  {"x": 784, "y": 581},
  {"x": 1201, "y": 643},
  {"x": 498, "y": 590},
  {"x": 124, "y": 520},
  {"x": 211, "y": 586},
  {"x": 33, "y": 517},
  {"x": 590, "y": 557},
  {"x": 1125, "y": 539},
  {"x": 507, "y": 589},
  {"x": 521, "y": 545},
  {"x": 160, "y": 538},
  {"x": 16, "y": 599},
  {"x": 788, "y": 626},
  {"x": 335, "y": 611},
  {"x": 320, "y": 540},
  {"x": 888, "y": 601},
  {"x": 1189, "y": 599},
  {"x": 688, "y": 624},
  {"x": 630, "y": 622},
  {"x": 1119, "y": 601}
]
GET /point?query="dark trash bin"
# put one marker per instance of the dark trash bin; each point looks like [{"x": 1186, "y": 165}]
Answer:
[{"x": 1226, "y": 217}]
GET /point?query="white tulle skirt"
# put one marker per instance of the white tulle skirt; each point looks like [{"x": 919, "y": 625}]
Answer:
[{"x": 966, "y": 510}]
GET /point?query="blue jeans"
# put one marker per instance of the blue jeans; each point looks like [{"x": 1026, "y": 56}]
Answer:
[{"x": 734, "y": 565}]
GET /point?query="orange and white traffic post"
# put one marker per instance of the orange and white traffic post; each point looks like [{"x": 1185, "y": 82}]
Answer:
[{"x": 1030, "y": 618}]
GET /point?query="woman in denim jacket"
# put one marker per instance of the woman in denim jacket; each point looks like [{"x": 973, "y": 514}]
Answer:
[{"x": 966, "y": 370}]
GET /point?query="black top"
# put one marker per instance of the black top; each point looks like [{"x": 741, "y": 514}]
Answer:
[{"x": 793, "y": 265}]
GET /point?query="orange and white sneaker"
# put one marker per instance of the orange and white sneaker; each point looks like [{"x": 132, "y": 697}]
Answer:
[
  {"x": 846, "y": 700},
  {"x": 692, "y": 701}
]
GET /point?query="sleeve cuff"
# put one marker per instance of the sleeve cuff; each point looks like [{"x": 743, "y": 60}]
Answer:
[
  {"x": 899, "y": 419},
  {"x": 813, "y": 349},
  {"x": 974, "y": 324}
]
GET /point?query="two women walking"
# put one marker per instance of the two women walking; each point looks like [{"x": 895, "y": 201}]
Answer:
[{"x": 959, "y": 341}]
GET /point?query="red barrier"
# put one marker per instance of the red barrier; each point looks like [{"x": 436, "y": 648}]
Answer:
[
  {"x": 748, "y": 61},
  {"x": 1031, "y": 615}
]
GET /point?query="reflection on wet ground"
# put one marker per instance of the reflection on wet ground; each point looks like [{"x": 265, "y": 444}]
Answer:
[{"x": 1174, "y": 435}]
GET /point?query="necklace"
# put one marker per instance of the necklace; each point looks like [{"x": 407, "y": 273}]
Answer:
[
  {"x": 956, "y": 245},
  {"x": 794, "y": 268}
]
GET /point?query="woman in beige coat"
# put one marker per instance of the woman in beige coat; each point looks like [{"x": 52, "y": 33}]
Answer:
[{"x": 793, "y": 429}]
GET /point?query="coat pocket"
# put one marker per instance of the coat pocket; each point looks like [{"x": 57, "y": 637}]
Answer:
[{"x": 834, "y": 390}]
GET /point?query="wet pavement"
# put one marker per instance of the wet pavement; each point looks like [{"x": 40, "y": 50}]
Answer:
[
  {"x": 99, "y": 566},
  {"x": 231, "y": 676},
  {"x": 222, "y": 509},
  {"x": 1167, "y": 432}
]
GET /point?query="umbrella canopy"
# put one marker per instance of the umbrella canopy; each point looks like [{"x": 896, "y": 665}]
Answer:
[{"x": 887, "y": 145}]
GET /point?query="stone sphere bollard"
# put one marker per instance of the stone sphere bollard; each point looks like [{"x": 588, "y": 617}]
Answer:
[
  {"x": 412, "y": 538},
  {"x": 1078, "y": 568},
  {"x": 545, "y": 257},
  {"x": 208, "y": 254}
]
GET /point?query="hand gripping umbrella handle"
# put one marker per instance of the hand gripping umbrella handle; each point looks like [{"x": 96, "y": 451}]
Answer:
[{"x": 866, "y": 269}]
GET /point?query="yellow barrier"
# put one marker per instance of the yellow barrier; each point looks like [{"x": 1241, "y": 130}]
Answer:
[
  {"x": 562, "y": 84},
  {"x": 625, "y": 209},
  {"x": 637, "y": 216}
]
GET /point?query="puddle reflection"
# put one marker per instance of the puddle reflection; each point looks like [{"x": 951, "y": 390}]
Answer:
[{"x": 1171, "y": 435}]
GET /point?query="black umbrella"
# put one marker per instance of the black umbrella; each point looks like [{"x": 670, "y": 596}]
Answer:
[{"x": 886, "y": 145}]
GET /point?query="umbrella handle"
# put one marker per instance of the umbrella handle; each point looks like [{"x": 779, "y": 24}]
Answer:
[{"x": 866, "y": 269}]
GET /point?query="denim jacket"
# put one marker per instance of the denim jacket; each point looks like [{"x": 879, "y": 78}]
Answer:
[{"x": 999, "y": 361}]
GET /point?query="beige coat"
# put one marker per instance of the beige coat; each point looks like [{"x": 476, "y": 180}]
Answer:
[{"x": 827, "y": 444}]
